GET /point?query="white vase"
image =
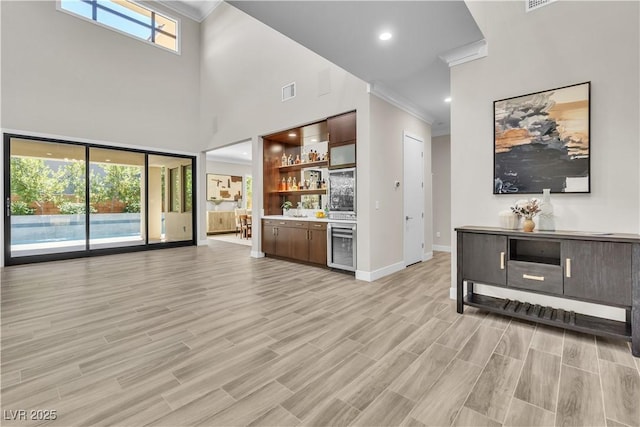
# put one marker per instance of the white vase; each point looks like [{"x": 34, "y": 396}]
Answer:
[
  {"x": 546, "y": 220},
  {"x": 509, "y": 220}
]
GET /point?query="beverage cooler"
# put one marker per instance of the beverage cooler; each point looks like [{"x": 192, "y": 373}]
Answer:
[{"x": 341, "y": 246}]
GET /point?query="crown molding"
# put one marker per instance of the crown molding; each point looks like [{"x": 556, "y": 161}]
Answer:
[
  {"x": 189, "y": 9},
  {"x": 466, "y": 53},
  {"x": 400, "y": 102}
]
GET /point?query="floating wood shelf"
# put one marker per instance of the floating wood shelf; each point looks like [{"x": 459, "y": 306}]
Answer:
[
  {"x": 303, "y": 192},
  {"x": 300, "y": 166}
]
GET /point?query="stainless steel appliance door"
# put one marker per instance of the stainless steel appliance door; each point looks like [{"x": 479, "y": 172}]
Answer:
[
  {"x": 342, "y": 190},
  {"x": 341, "y": 246}
]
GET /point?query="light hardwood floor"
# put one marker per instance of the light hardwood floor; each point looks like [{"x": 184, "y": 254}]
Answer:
[{"x": 209, "y": 336}]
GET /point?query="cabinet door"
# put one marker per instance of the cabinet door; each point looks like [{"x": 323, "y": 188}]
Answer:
[
  {"x": 211, "y": 225},
  {"x": 597, "y": 271},
  {"x": 342, "y": 128},
  {"x": 268, "y": 238},
  {"x": 230, "y": 221},
  {"x": 292, "y": 243},
  {"x": 484, "y": 258},
  {"x": 318, "y": 246}
]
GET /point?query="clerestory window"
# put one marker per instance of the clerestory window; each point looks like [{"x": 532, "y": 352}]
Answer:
[{"x": 128, "y": 17}]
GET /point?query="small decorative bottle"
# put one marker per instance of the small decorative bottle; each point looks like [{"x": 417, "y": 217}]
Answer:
[
  {"x": 294, "y": 186},
  {"x": 290, "y": 160},
  {"x": 288, "y": 184},
  {"x": 283, "y": 184},
  {"x": 297, "y": 159},
  {"x": 546, "y": 220},
  {"x": 283, "y": 161}
]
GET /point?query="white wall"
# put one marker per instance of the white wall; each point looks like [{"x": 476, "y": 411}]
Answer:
[
  {"x": 557, "y": 45},
  {"x": 65, "y": 76},
  {"x": 441, "y": 166},
  {"x": 388, "y": 124},
  {"x": 241, "y": 98}
]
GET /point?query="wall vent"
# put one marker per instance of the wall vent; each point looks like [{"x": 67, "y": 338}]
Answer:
[
  {"x": 530, "y": 5},
  {"x": 288, "y": 91}
]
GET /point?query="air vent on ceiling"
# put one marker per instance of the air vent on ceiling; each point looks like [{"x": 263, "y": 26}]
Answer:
[
  {"x": 289, "y": 91},
  {"x": 530, "y": 5}
]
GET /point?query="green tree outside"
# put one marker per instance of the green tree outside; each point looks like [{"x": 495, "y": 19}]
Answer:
[{"x": 35, "y": 182}]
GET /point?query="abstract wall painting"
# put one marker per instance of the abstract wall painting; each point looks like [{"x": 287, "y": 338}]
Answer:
[
  {"x": 542, "y": 140},
  {"x": 224, "y": 187}
]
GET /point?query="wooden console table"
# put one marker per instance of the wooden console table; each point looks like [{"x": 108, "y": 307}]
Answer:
[{"x": 602, "y": 268}]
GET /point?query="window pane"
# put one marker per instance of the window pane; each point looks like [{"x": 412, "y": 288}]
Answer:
[
  {"x": 167, "y": 221},
  {"x": 47, "y": 198},
  {"x": 116, "y": 217},
  {"x": 129, "y": 9},
  {"x": 123, "y": 24},
  {"x": 78, "y": 7},
  {"x": 169, "y": 26},
  {"x": 130, "y": 18}
]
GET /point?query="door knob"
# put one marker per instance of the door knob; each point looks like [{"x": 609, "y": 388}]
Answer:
[{"x": 408, "y": 217}]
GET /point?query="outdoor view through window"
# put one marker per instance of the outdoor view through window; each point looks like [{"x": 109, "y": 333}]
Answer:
[{"x": 128, "y": 17}]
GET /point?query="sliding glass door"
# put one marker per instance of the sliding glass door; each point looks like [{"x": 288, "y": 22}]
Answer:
[
  {"x": 116, "y": 192},
  {"x": 66, "y": 199},
  {"x": 46, "y": 199},
  {"x": 170, "y": 199}
]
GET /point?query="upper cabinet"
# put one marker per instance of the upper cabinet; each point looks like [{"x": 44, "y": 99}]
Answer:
[{"x": 342, "y": 140}]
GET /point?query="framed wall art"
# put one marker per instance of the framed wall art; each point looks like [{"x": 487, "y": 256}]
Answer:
[
  {"x": 224, "y": 187},
  {"x": 542, "y": 140}
]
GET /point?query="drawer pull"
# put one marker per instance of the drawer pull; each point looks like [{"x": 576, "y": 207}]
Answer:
[
  {"x": 317, "y": 225},
  {"x": 282, "y": 223},
  {"x": 501, "y": 260},
  {"x": 530, "y": 277},
  {"x": 568, "y": 267}
]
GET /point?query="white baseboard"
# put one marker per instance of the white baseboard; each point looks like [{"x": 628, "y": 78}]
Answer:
[
  {"x": 591, "y": 309},
  {"x": 427, "y": 256},
  {"x": 370, "y": 276},
  {"x": 442, "y": 248},
  {"x": 204, "y": 242},
  {"x": 257, "y": 254}
]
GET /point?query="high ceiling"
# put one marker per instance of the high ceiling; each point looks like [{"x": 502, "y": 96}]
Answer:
[
  {"x": 410, "y": 70},
  {"x": 407, "y": 69}
]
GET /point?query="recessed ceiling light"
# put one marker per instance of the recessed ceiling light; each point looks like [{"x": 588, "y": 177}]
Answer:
[
  {"x": 292, "y": 134},
  {"x": 448, "y": 99},
  {"x": 244, "y": 153},
  {"x": 49, "y": 154},
  {"x": 385, "y": 36},
  {"x": 107, "y": 160},
  {"x": 314, "y": 140}
]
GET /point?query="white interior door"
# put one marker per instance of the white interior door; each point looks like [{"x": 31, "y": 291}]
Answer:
[{"x": 413, "y": 199}]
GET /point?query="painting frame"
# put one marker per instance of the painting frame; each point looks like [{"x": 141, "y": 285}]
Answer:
[
  {"x": 543, "y": 140},
  {"x": 226, "y": 188}
]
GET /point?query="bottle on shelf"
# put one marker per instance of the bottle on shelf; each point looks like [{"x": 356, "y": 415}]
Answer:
[
  {"x": 283, "y": 184},
  {"x": 288, "y": 184},
  {"x": 283, "y": 161},
  {"x": 324, "y": 185},
  {"x": 294, "y": 186},
  {"x": 305, "y": 157},
  {"x": 297, "y": 159}
]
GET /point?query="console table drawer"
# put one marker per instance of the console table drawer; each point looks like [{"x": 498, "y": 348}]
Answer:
[{"x": 535, "y": 277}]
